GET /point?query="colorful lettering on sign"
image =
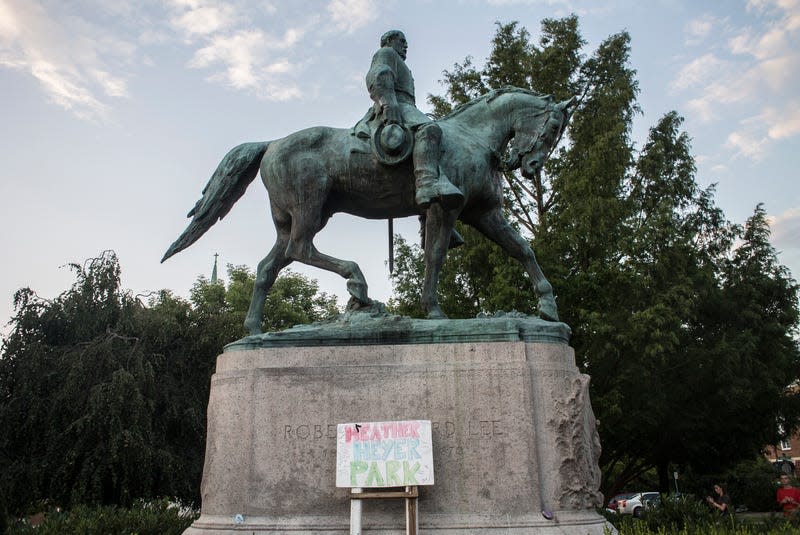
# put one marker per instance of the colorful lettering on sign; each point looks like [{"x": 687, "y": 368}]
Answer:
[
  {"x": 384, "y": 430},
  {"x": 376, "y": 474},
  {"x": 384, "y": 450},
  {"x": 384, "y": 454}
]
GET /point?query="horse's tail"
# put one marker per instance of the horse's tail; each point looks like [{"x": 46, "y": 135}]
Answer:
[{"x": 228, "y": 183}]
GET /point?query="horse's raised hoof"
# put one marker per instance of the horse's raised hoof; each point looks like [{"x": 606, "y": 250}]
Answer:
[{"x": 548, "y": 310}]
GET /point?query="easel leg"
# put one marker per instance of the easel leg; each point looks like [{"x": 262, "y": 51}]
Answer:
[
  {"x": 355, "y": 513},
  {"x": 412, "y": 522}
]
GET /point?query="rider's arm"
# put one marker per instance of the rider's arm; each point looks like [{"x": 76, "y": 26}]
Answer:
[{"x": 380, "y": 84}]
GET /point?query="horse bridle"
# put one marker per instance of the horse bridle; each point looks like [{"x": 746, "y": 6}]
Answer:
[{"x": 517, "y": 154}]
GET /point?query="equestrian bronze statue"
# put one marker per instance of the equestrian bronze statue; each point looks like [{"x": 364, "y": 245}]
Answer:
[{"x": 365, "y": 171}]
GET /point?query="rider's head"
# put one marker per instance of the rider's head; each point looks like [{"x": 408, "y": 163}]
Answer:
[{"x": 397, "y": 40}]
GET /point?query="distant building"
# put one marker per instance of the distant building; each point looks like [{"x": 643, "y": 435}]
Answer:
[{"x": 785, "y": 456}]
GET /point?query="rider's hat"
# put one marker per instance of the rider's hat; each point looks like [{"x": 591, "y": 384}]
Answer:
[{"x": 392, "y": 143}]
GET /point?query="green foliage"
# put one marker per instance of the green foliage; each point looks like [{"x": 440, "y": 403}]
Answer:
[
  {"x": 751, "y": 483},
  {"x": 686, "y": 323},
  {"x": 475, "y": 279},
  {"x": 632, "y": 526},
  {"x": 78, "y": 391},
  {"x": 688, "y": 515},
  {"x": 103, "y": 397},
  {"x": 680, "y": 512},
  {"x": 160, "y": 517},
  {"x": 293, "y": 299}
]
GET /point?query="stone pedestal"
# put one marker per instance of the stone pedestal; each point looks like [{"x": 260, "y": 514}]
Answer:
[{"x": 513, "y": 431}]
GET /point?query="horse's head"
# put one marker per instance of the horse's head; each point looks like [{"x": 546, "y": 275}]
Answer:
[{"x": 531, "y": 146}]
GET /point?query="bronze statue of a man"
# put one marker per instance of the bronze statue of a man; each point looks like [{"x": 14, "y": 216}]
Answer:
[{"x": 391, "y": 87}]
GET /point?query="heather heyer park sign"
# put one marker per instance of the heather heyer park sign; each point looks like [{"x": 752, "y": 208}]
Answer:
[{"x": 384, "y": 454}]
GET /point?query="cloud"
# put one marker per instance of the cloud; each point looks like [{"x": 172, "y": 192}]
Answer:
[
  {"x": 782, "y": 123},
  {"x": 9, "y": 25},
  {"x": 81, "y": 53},
  {"x": 531, "y": 2},
  {"x": 698, "y": 29},
  {"x": 746, "y": 144},
  {"x": 756, "y": 133},
  {"x": 699, "y": 70},
  {"x": 786, "y": 229},
  {"x": 774, "y": 42},
  {"x": 239, "y": 53},
  {"x": 786, "y": 225},
  {"x": 350, "y": 15},
  {"x": 204, "y": 19},
  {"x": 65, "y": 92},
  {"x": 71, "y": 58},
  {"x": 752, "y": 71},
  {"x": 246, "y": 59}
]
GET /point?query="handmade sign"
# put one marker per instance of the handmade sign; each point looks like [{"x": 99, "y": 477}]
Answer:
[{"x": 384, "y": 454}]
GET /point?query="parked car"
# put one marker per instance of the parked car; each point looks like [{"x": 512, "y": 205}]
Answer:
[
  {"x": 638, "y": 503},
  {"x": 613, "y": 503}
]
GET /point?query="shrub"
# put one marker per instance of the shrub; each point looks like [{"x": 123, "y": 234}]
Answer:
[
  {"x": 687, "y": 515},
  {"x": 676, "y": 512},
  {"x": 161, "y": 517},
  {"x": 633, "y": 526},
  {"x": 752, "y": 484}
]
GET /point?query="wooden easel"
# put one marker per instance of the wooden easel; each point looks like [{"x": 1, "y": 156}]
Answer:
[{"x": 410, "y": 494}]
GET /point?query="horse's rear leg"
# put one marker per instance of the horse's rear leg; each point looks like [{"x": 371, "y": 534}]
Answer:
[
  {"x": 301, "y": 248},
  {"x": 267, "y": 272},
  {"x": 495, "y": 227}
]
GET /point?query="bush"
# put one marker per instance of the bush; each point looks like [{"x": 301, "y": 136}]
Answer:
[
  {"x": 161, "y": 517},
  {"x": 752, "y": 484},
  {"x": 687, "y": 515},
  {"x": 730, "y": 526},
  {"x": 676, "y": 512}
]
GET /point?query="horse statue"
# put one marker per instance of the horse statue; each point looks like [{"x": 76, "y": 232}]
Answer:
[{"x": 314, "y": 173}]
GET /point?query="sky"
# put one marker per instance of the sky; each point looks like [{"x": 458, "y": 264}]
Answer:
[{"x": 114, "y": 114}]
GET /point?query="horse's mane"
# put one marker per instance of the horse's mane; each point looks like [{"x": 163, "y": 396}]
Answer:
[{"x": 493, "y": 94}]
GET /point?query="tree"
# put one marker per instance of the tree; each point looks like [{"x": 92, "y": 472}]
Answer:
[
  {"x": 103, "y": 397},
  {"x": 77, "y": 393},
  {"x": 643, "y": 264},
  {"x": 293, "y": 299},
  {"x": 643, "y": 349},
  {"x": 474, "y": 279}
]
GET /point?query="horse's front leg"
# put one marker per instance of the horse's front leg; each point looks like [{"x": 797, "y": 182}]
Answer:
[
  {"x": 438, "y": 228},
  {"x": 495, "y": 227}
]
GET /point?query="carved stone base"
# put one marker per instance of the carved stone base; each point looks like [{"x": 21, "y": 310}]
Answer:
[{"x": 513, "y": 432}]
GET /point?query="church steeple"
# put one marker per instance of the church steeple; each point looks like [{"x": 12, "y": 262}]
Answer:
[{"x": 214, "y": 271}]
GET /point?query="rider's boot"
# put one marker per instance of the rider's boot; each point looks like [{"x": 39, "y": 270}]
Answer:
[{"x": 432, "y": 185}]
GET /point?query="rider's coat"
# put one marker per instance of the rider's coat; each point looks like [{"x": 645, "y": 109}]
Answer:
[{"x": 388, "y": 79}]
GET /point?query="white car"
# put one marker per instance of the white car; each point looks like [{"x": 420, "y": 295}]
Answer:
[{"x": 638, "y": 503}]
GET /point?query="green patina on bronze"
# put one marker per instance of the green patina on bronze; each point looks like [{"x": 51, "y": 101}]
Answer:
[
  {"x": 374, "y": 326},
  {"x": 312, "y": 174}
]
